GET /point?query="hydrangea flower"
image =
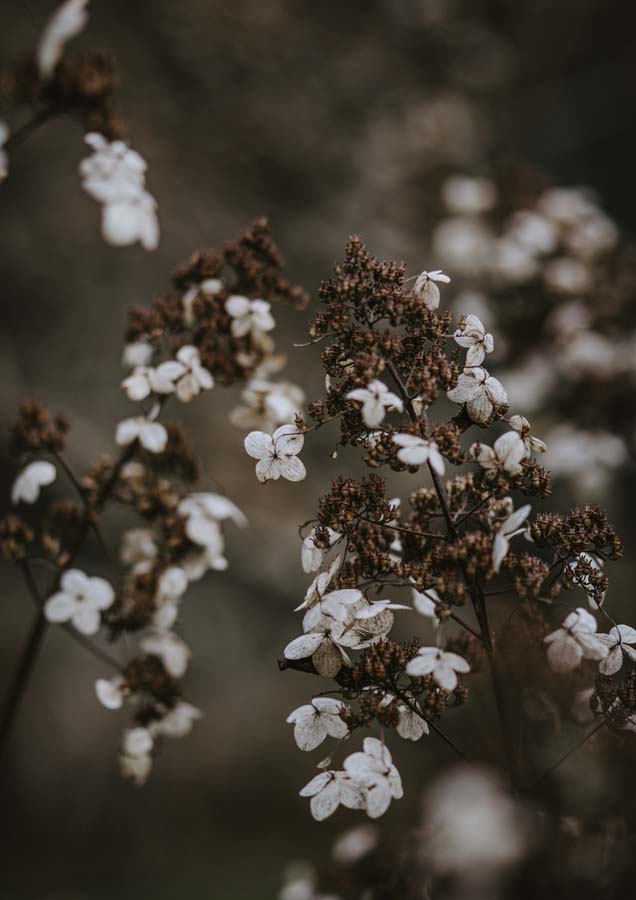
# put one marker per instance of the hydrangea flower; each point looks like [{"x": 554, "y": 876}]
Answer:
[
  {"x": 178, "y": 721},
  {"x": 138, "y": 547},
  {"x": 376, "y": 399},
  {"x": 426, "y": 603},
  {"x": 66, "y": 22},
  {"x": 505, "y": 455},
  {"x": 26, "y": 487},
  {"x": 521, "y": 425},
  {"x": 277, "y": 454},
  {"x": 373, "y": 770},
  {"x": 441, "y": 665},
  {"x": 151, "y": 435},
  {"x": 195, "y": 377},
  {"x": 137, "y": 353},
  {"x": 508, "y": 529},
  {"x": 249, "y": 316},
  {"x": 311, "y": 557},
  {"x": 267, "y": 404},
  {"x": 575, "y": 640},
  {"x": 618, "y": 643},
  {"x": 482, "y": 394},
  {"x": 170, "y": 649},
  {"x": 314, "y": 721},
  {"x": 411, "y": 725},
  {"x": 330, "y": 789},
  {"x": 474, "y": 338},
  {"x": 426, "y": 290},
  {"x": 80, "y": 600},
  {"x": 415, "y": 451}
]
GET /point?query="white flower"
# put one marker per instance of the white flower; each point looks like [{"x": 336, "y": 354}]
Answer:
[
  {"x": 66, "y": 22},
  {"x": 137, "y": 354},
  {"x": 473, "y": 336},
  {"x": 26, "y": 486},
  {"x": 151, "y": 435},
  {"x": 136, "y": 767},
  {"x": 311, "y": 556},
  {"x": 426, "y": 290},
  {"x": 4, "y": 156},
  {"x": 521, "y": 425},
  {"x": 415, "y": 451},
  {"x": 137, "y": 741},
  {"x": 277, "y": 454},
  {"x": 574, "y": 641},
  {"x": 373, "y": 770},
  {"x": 373, "y": 609},
  {"x": 355, "y": 843},
  {"x": 114, "y": 175},
  {"x": 321, "y": 643},
  {"x": 508, "y": 529},
  {"x": 328, "y": 790},
  {"x": 210, "y": 287},
  {"x": 482, "y": 394},
  {"x": 203, "y": 512},
  {"x": 80, "y": 600},
  {"x": 249, "y": 316},
  {"x": 411, "y": 725},
  {"x": 317, "y": 720},
  {"x": 138, "y": 546},
  {"x": 196, "y": 377},
  {"x": 111, "y": 692},
  {"x": 178, "y": 721},
  {"x": 469, "y": 195},
  {"x": 170, "y": 649},
  {"x": 441, "y": 665},
  {"x": 319, "y": 585},
  {"x": 376, "y": 399},
  {"x": 267, "y": 404},
  {"x": 426, "y": 603},
  {"x": 161, "y": 380},
  {"x": 617, "y": 641},
  {"x": 171, "y": 585},
  {"x": 504, "y": 456}
]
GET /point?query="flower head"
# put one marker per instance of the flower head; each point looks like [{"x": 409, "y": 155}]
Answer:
[
  {"x": 26, "y": 486},
  {"x": 317, "y": 720},
  {"x": 374, "y": 772},
  {"x": 330, "y": 789},
  {"x": 425, "y": 287},
  {"x": 376, "y": 399},
  {"x": 151, "y": 435},
  {"x": 474, "y": 338},
  {"x": 80, "y": 601},
  {"x": 575, "y": 640},
  {"x": 482, "y": 394},
  {"x": 415, "y": 451},
  {"x": 277, "y": 454},
  {"x": 508, "y": 529},
  {"x": 441, "y": 665},
  {"x": 249, "y": 316},
  {"x": 504, "y": 456}
]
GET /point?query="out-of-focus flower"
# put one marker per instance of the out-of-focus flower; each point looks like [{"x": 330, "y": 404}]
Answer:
[
  {"x": 111, "y": 692},
  {"x": 249, "y": 316},
  {"x": 311, "y": 556},
  {"x": 574, "y": 641},
  {"x": 178, "y": 721},
  {"x": 441, "y": 665},
  {"x": 469, "y": 196},
  {"x": 26, "y": 487},
  {"x": 138, "y": 353},
  {"x": 373, "y": 770},
  {"x": 505, "y": 455},
  {"x": 266, "y": 405},
  {"x": 170, "y": 649},
  {"x": 66, "y": 22},
  {"x": 330, "y": 789},
  {"x": 618, "y": 643},
  {"x": 376, "y": 399},
  {"x": 508, "y": 529},
  {"x": 355, "y": 843},
  {"x": 151, "y": 435},
  {"x": 426, "y": 289},
  {"x": 314, "y": 721},
  {"x": 415, "y": 451},
  {"x": 80, "y": 601},
  {"x": 138, "y": 546},
  {"x": 277, "y": 454},
  {"x": 195, "y": 378}
]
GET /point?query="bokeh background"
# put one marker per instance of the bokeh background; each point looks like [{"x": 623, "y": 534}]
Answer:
[{"x": 330, "y": 118}]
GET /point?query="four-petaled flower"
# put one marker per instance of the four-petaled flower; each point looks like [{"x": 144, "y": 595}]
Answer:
[
  {"x": 374, "y": 772},
  {"x": 316, "y": 720},
  {"x": 376, "y": 399},
  {"x": 617, "y": 641},
  {"x": 426, "y": 290},
  {"x": 27, "y": 485},
  {"x": 411, "y": 725},
  {"x": 249, "y": 316},
  {"x": 441, "y": 665},
  {"x": 151, "y": 435},
  {"x": 277, "y": 454},
  {"x": 474, "y": 338},
  {"x": 195, "y": 377},
  {"x": 504, "y": 456},
  {"x": 508, "y": 529},
  {"x": 522, "y": 427},
  {"x": 575, "y": 640},
  {"x": 482, "y": 394},
  {"x": 80, "y": 601},
  {"x": 415, "y": 451},
  {"x": 328, "y": 790}
]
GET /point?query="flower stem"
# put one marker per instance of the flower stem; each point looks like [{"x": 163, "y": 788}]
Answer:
[
  {"x": 22, "y": 677},
  {"x": 25, "y": 131}
]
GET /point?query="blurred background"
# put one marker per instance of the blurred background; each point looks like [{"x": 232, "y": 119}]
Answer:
[{"x": 330, "y": 118}]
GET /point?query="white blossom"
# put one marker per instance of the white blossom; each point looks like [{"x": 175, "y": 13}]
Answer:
[
  {"x": 426, "y": 290},
  {"x": 178, "y": 721},
  {"x": 151, "y": 435},
  {"x": 618, "y": 643},
  {"x": 311, "y": 556},
  {"x": 267, "y": 404},
  {"x": 474, "y": 338},
  {"x": 574, "y": 641},
  {"x": 277, "y": 454},
  {"x": 441, "y": 665},
  {"x": 26, "y": 487},
  {"x": 482, "y": 394},
  {"x": 508, "y": 529},
  {"x": 317, "y": 720},
  {"x": 415, "y": 451},
  {"x": 321, "y": 643},
  {"x": 196, "y": 378},
  {"x": 469, "y": 196},
  {"x": 111, "y": 692},
  {"x": 376, "y": 399},
  {"x": 373, "y": 770},
  {"x": 114, "y": 175},
  {"x": 136, "y": 767},
  {"x": 249, "y": 316},
  {"x": 137, "y": 354},
  {"x": 319, "y": 585},
  {"x": 427, "y": 603},
  {"x": 66, "y": 22},
  {"x": 355, "y": 843},
  {"x": 209, "y": 286},
  {"x": 330, "y": 789},
  {"x": 504, "y": 456},
  {"x": 521, "y": 425},
  {"x": 411, "y": 725},
  {"x": 170, "y": 649},
  {"x": 80, "y": 601}
]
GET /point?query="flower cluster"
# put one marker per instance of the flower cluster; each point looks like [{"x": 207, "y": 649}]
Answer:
[
  {"x": 390, "y": 356},
  {"x": 176, "y": 350}
]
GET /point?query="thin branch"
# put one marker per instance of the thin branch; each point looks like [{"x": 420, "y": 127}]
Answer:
[
  {"x": 448, "y": 740},
  {"x": 402, "y": 530},
  {"x": 22, "y": 677},
  {"x": 567, "y": 755},
  {"x": 25, "y": 131}
]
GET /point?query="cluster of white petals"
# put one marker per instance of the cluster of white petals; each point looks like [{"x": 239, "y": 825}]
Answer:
[
  {"x": 277, "y": 454},
  {"x": 504, "y": 456},
  {"x": 151, "y": 435},
  {"x": 317, "y": 720},
  {"x": 376, "y": 400},
  {"x": 80, "y": 601},
  {"x": 441, "y": 665},
  {"x": 267, "y": 404},
  {"x": 26, "y": 487},
  {"x": 249, "y": 316},
  {"x": 575, "y": 640},
  {"x": 426, "y": 289},
  {"x": 185, "y": 377},
  {"x": 481, "y": 393},
  {"x": 415, "y": 451},
  {"x": 115, "y": 176},
  {"x": 311, "y": 556},
  {"x": 66, "y": 22},
  {"x": 474, "y": 338}
]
